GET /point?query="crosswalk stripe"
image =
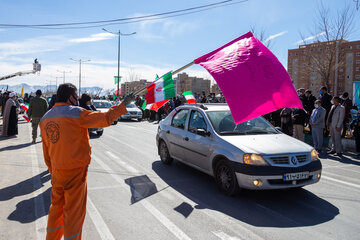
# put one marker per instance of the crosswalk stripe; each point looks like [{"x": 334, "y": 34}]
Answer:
[
  {"x": 224, "y": 236},
  {"x": 340, "y": 181},
  {"x": 122, "y": 163},
  {"x": 177, "y": 232}
]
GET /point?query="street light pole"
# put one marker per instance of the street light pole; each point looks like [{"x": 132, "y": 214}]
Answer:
[
  {"x": 80, "y": 61},
  {"x": 118, "y": 71},
  {"x": 63, "y": 72}
]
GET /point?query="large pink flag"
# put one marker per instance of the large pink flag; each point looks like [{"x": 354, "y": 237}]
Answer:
[{"x": 251, "y": 78}]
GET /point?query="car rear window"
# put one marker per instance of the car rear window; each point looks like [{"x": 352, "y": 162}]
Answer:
[{"x": 180, "y": 119}]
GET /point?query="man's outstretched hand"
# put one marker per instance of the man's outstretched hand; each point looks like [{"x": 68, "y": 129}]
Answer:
[{"x": 129, "y": 98}]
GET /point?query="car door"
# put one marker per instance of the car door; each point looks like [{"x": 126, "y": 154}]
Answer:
[
  {"x": 176, "y": 134},
  {"x": 197, "y": 147}
]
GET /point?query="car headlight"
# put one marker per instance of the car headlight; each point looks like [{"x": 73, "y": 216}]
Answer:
[
  {"x": 254, "y": 159},
  {"x": 314, "y": 155}
]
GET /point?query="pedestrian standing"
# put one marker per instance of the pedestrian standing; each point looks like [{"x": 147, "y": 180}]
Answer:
[
  {"x": 325, "y": 99},
  {"x": 348, "y": 105},
  {"x": 317, "y": 123},
  {"x": 286, "y": 121},
  {"x": 356, "y": 125},
  {"x": 298, "y": 119},
  {"x": 67, "y": 154},
  {"x": 5, "y": 97},
  {"x": 10, "y": 117},
  {"x": 37, "y": 108},
  {"x": 335, "y": 123}
]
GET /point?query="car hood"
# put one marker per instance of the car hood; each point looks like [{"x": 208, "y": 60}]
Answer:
[
  {"x": 267, "y": 144},
  {"x": 133, "y": 109}
]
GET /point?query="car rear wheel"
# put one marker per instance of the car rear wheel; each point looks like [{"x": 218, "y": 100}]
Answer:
[
  {"x": 115, "y": 122},
  {"x": 164, "y": 153},
  {"x": 99, "y": 133},
  {"x": 226, "y": 179},
  {"x": 139, "y": 119}
]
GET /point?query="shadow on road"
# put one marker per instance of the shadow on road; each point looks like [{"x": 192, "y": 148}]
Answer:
[
  {"x": 281, "y": 208},
  {"x": 26, "y": 211},
  {"x": 24, "y": 187},
  {"x": 344, "y": 159},
  {"x": 15, "y": 147},
  {"x": 141, "y": 187}
]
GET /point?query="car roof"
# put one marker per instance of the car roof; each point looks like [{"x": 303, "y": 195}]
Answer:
[{"x": 207, "y": 106}]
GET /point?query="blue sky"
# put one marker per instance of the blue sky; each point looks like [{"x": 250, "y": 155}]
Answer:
[{"x": 159, "y": 46}]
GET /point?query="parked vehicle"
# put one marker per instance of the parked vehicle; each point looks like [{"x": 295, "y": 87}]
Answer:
[
  {"x": 103, "y": 106},
  {"x": 251, "y": 155},
  {"x": 133, "y": 112}
]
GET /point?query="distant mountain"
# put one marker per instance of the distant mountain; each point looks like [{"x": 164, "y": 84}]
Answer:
[{"x": 48, "y": 89}]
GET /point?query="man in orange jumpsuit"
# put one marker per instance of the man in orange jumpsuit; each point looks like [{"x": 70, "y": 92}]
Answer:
[{"x": 67, "y": 154}]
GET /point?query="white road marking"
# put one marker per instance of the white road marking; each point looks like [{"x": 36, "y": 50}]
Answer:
[
  {"x": 340, "y": 181},
  {"x": 103, "y": 188},
  {"x": 98, "y": 221},
  {"x": 224, "y": 236},
  {"x": 122, "y": 163},
  {"x": 40, "y": 223},
  {"x": 177, "y": 232}
]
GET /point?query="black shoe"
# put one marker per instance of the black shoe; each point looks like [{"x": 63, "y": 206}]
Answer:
[{"x": 331, "y": 152}]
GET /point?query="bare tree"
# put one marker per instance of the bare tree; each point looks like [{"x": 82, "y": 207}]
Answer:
[
  {"x": 321, "y": 49},
  {"x": 133, "y": 75},
  {"x": 261, "y": 35}
]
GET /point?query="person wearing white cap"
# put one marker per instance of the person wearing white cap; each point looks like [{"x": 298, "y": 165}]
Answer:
[{"x": 10, "y": 118}]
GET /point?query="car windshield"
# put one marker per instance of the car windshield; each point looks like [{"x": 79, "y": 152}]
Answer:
[
  {"x": 102, "y": 104},
  {"x": 131, "y": 105},
  {"x": 223, "y": 123}
]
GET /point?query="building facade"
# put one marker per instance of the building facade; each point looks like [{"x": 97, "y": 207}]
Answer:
[
  {"x": 128, "y": 87},
  {"x": 306, "y": 66},
  {"x": 184, "y": 82}
]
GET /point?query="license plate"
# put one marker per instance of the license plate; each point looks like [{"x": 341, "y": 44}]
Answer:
[{"x": 296, "y": 176}]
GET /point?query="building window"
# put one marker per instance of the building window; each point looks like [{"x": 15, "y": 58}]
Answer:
[
  {"x": 295, "y": 54},
  {"x": 290, "y": 54},
  {"x": 350, "y": 47},
  {"x": 342, "y": 48},
  {"x": 357, "y": 76},
  {"x": 358, "y": 54},
  {"x": 358, "y": 69},
  {"x": 358, "y": 47},
  {"x": 341, "y": 70},
  {"x": 357, "y": 61}
]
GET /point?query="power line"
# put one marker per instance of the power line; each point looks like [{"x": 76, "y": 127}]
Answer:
[{"x": 128, "y": 20}]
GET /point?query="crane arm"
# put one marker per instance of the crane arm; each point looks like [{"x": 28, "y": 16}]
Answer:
[{"x": 36, "y": 68}]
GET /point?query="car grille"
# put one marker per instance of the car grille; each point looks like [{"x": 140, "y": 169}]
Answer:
[
  {"x": 133, "y": 113},
  {"x": 280, "y": 160},
  {"x": 302, "y": 158}
]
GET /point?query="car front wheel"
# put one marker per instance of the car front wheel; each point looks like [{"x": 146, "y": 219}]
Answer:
[
  {"x": 226, "y": 179},
  {"x": 99, "y": 133},
  {"x": 164, "y": 153}
]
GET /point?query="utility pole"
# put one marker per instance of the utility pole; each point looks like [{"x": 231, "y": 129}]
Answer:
[
  {"x": 80, "y": 61},
  {"x": 63, "y": 72},
  {"x": 118, "y": 71}
]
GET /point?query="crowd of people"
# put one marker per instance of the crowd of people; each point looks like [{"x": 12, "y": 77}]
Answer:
[{"x": 321, "y": 116}]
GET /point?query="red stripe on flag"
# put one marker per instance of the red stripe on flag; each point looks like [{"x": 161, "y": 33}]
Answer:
[
  {"x": 150, "y": 95},
  {"x": 26, "y": 118}
]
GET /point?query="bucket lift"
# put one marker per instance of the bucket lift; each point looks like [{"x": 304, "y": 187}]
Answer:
[{"x": 36, "y": 69}]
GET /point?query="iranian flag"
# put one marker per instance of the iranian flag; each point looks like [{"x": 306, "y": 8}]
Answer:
[
  {"x": 156, "y": 106},
  {"x": 189, "y": 96},
  {"x": 24, "y": 106},
  {"x": 160, "y": 90},
  {"x": 26, "y": 117}
]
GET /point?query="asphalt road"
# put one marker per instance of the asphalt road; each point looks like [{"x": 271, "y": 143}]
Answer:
[{"x": 131, "y": 195}]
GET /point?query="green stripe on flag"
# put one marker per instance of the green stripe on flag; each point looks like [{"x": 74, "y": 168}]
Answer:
[
  {"x": 117, "y": 79},
  {"x": 143, "y": 105},
  {"x": 188, "y": 93},
  {"x": 168, "y": 83}
]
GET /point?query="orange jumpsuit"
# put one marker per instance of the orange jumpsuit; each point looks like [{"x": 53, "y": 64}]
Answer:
[{"x": 67, "y": 154}]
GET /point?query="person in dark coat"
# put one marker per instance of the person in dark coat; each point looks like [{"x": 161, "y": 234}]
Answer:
[
  {"x": 325, "y": 99},
  {"x": 355, "y": 124},
  {"x": 10, "y": 117},
  {"x": 52, "y": 101},
  {"x": 310, "y": 99},
  {"x": 298, "y": 120},
  {"x": 348, "y": 105},
  {"x": 286, "y": 121}
]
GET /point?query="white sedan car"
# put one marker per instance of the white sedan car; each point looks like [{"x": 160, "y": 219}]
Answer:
[
  {"x": 103, "y": 106},
  {"x": 133, "y": 112},
  {"x": 251, "y": 155}
]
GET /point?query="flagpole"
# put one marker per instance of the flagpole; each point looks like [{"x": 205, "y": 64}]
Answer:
[{"x": 172, "y": 73}]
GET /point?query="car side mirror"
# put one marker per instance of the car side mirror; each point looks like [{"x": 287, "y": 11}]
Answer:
[
  {"x": 279, "y": 129},
  {"x": 202, "y": 132}
]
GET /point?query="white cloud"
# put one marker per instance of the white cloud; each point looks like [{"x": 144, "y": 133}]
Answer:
[
  {"x": 93, "y": 38},
  {"x": 310, "y": 38},
  {"x": 33, "y": 45},
  {"x": 275, "y": 35}
]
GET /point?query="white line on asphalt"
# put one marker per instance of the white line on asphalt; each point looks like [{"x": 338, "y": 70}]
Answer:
[
  {"x": 125, "y": 165},
  {"x": 177, "y": 232},
  {"x": 98, "y": 221},
  {"x": 340, "y": 181},
  {"x": 103, "y": 188},
  {"x": 40, "y": 223},
  {"x": 224, "y": 236}
]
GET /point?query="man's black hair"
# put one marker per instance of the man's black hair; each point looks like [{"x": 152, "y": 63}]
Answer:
[
  {"x": 308, "y": 91},
  {"x": 345, "y": 94},
  {"x": 65, "y": 91},
  {"x": 324, "y": 88},
  {"x": 337, "y": 99},
  {"x": 85, "y": 97},
  {"x": 38, "y": 92}
]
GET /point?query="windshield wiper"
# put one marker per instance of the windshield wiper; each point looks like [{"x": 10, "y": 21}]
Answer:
[
  {"x": 257, "y": 132},
  {"x": 232, "y": 133}
]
